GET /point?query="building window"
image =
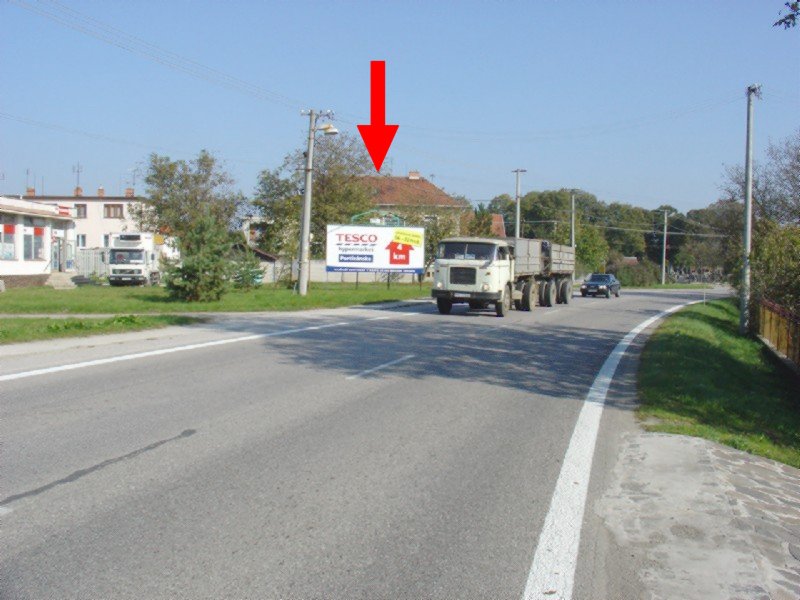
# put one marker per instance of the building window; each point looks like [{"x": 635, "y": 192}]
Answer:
[
  {"x": 80, "y": 211},
  {"x": 112, "y": 211},
  {"x": 81, "y": 240},
  {"x": 105, "y": 241},
  {"x": 7, "y": 238},
  {"x": 34, "y": 243}
]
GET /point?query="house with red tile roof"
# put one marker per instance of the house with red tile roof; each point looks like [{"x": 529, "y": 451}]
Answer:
[{"x": 415, "y": 197}]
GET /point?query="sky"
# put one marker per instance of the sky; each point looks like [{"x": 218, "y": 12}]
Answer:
[{"x": 635, "y": 102}]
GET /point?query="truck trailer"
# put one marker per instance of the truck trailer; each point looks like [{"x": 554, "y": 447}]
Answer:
[{"x": 503, "y": 272}]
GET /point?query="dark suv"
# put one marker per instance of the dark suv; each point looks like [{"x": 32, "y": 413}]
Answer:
[{"x": 601, "y": 284}]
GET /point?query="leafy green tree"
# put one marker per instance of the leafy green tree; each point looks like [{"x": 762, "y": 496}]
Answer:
[
  {"x": 591, "y": 248},
  {"x": 481, "y": 223},
  {"x": 776, "y": 264},
  {"x": 179, "y": 192},
  {"x": 202, "y": 273},
  {"x": 338, "y": 193}
]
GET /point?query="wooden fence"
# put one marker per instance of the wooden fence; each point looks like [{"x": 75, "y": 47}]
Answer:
[{"x": 782, "y": 328}]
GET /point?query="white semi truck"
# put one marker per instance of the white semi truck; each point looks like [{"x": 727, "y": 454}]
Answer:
[
  {"x": 134, "y": 259},
  {"x": 502, "y": 272}
]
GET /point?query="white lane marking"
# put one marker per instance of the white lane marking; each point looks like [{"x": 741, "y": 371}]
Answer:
[
  {"x": 5, "y": 511},
  {"x": 383, "y": 366},
  {"x": 378, "y": 318},
  {"x": 552, "y": 573},
  {"x": 124, "y": 357}
]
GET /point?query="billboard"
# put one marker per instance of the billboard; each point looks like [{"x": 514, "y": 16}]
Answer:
[{"x": 363, "y": 248}]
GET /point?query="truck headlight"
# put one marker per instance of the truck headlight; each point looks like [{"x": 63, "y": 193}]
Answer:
[
  {"x": 485, "y": 287},
  {"x": 438, "y": 285},
  {"x": 602, "y": 287}
]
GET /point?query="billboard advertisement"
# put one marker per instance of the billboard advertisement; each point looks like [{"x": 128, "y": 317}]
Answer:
[{"x": 364, "y": 248}]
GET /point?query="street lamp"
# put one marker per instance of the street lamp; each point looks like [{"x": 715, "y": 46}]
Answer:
[
  {"x": 516, "y": 228},
  {"x": 305, "y": 226}
]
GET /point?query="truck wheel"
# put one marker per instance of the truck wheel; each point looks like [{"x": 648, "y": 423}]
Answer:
[
  {"x": 528, "y": 299},
  {"x": 564, "y": 291},
  {"x": 550, "y": 293},
  {"x": 542, "y": 289},
  {"x": 503, "y": 306},
  {"x": 444, "y": 305}
]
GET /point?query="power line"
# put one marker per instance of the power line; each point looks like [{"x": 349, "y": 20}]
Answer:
[{"x": 108, "y": 34}]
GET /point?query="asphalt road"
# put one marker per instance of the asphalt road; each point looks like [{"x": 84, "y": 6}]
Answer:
[{"x": 350, "y": 453}]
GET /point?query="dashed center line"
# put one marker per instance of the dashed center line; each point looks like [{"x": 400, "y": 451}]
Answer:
[{"x": 383, "y": 366}]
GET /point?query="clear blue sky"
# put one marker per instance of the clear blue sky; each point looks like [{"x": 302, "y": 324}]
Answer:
[{"x": 638, "y": 102}]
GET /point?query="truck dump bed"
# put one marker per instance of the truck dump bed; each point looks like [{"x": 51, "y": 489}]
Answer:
[{"x": 540, "y": 257}]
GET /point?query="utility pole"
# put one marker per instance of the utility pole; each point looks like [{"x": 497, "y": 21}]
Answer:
[
  {"x": 305, "y": 226},
  {"x": 744, "y": 300},
  {"x": 572, "y": 226},
  {"x": 664, "y": 251},
  {"x": 518, "y": 172}
]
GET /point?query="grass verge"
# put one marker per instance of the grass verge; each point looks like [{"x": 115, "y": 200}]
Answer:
[
  {"x": 13, "y": 331},
  {"x": 699, "y": 377},
  {"x": 127, "y": 300},
  {"x": 672, "y": 286}
]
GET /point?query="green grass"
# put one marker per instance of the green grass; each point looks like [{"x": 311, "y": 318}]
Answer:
[
  {"x": 24, "y": 329},
  {"x": 699, "y": 377},
  {"x": 127, "y": 300}
]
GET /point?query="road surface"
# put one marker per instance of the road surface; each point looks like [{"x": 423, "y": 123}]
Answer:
[{"x": 349, "y": 453}]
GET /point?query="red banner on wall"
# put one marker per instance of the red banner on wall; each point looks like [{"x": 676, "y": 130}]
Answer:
[
  {"x": 38, "y": 231},
  {"x": 8, "y": 228}
]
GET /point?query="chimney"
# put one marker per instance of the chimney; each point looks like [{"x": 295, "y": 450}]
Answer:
[
  {"x": 78, "y": 191},
  {"x": 101, "y": 193},
  {"x": 129, "y": 193},
  {"x": 30, "y": 192},
  {"x": 413, "y": 175}
]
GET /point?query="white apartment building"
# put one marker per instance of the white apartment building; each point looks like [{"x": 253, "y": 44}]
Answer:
[{"x": 96, "y": 217}]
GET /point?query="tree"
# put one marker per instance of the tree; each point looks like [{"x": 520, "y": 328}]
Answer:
[
  {"x": 481, "y": 223},
  {"x": 776, "y": 182},
  {"x": 776, "y": 264},
  {"x": 338, "y": 193},
  {"x": 790, "y": 18},
  {"x": 179, "y": 192},
  {"x": 204, "y": 268},
  {"x": 591, "y": 248}
]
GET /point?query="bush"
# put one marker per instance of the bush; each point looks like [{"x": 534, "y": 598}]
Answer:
[
  {"x": 643, "y": 274},
  {"x": 247, "y": 272}
]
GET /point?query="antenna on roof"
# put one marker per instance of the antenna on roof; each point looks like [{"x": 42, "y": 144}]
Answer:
[{"x": 77, "y": 169}]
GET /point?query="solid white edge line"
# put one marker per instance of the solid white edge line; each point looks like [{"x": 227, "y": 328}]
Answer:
[
  {"x": 552, "y": 573},
  {"x": 125, "y": 357},
  {"x": 383, "y": 366}
]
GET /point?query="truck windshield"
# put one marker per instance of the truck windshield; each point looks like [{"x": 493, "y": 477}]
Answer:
[
  {"x": 125, "y": 257},
  {"x": 466, "y": 250}
]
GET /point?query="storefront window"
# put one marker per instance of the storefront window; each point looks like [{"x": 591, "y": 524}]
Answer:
[
  {"x": 34, "y": 243},
  {"x": 7, "y": 238}
]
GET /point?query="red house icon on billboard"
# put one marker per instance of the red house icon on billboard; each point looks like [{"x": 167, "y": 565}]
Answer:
[{"x": 399, "y": 254}]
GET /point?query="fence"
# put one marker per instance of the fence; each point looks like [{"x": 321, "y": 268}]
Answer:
[
  {"x": 91, "y": 261},
  {"x": 782, "y": 328}
]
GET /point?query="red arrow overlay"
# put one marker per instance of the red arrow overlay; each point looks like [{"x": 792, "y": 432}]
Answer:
[{"x": 377, "y": 136}]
